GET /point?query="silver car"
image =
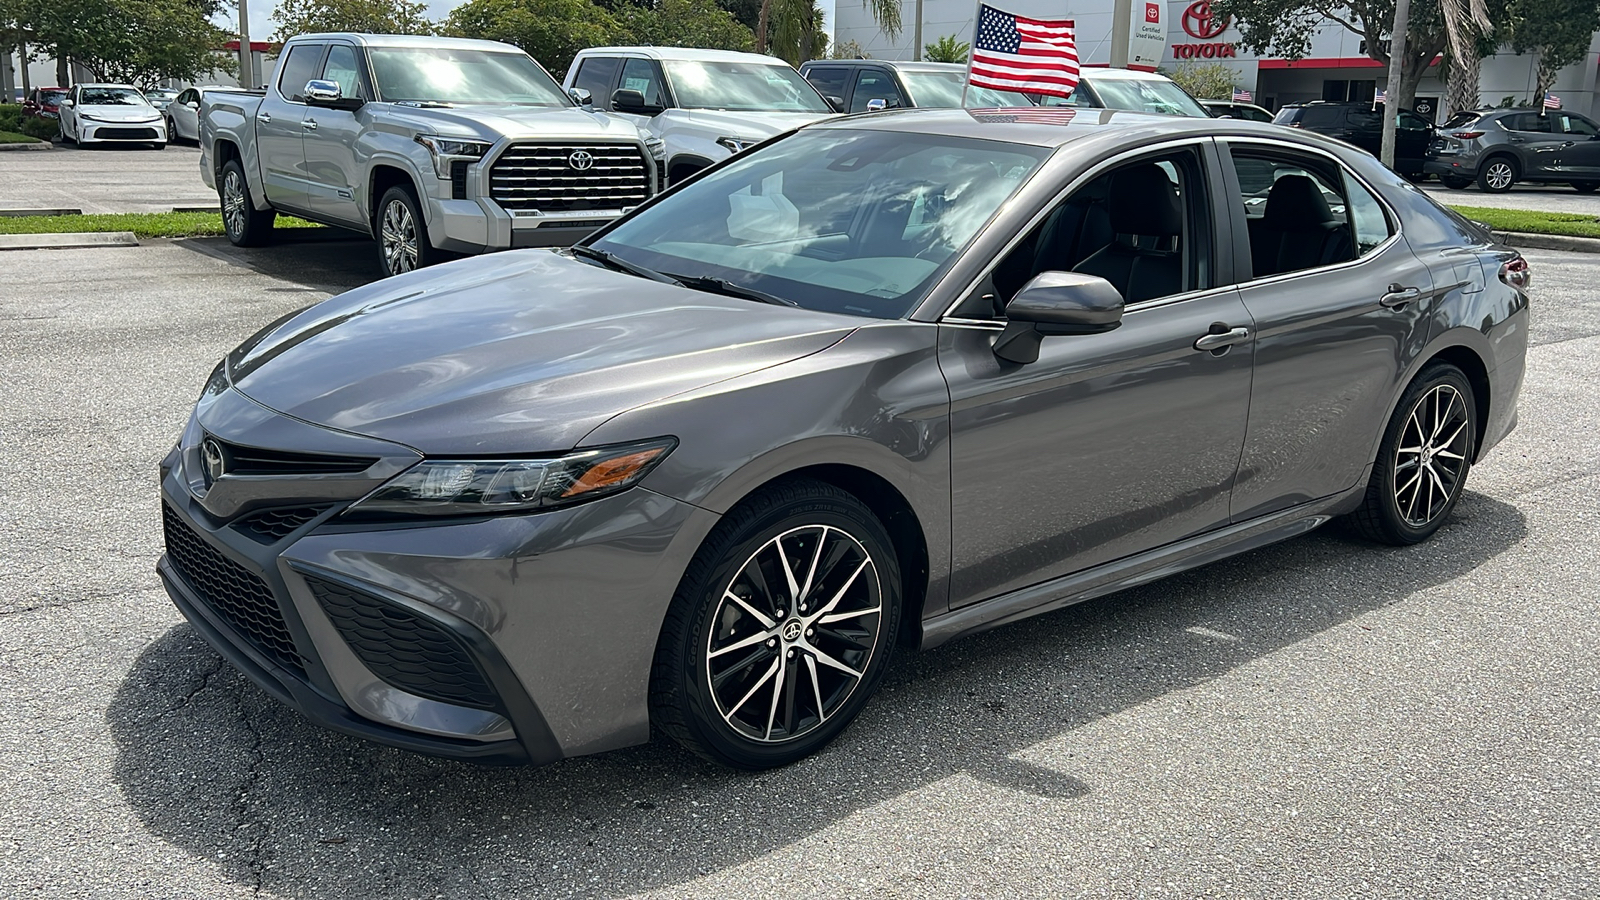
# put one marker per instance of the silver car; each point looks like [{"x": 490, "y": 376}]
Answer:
[{"x": 880, "y": 383}]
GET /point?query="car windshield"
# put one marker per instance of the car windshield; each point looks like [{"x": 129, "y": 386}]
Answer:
[
  {"x": 943, "y": 89},
  {"x": 97, "y": 96},
  {"x": 51, "y": 96},
  {"x": 442, "y": 75},
  {"x": 855, "y": 222},
  {"x": 742, "y": 86},
  {"x": 1152, "y": 96}
]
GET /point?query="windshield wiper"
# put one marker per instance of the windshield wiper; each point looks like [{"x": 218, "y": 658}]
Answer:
[
  {"x": 611, "y": 260},
  {"x": 729, "y": 289},
  {"x": 425, "y": 104}
]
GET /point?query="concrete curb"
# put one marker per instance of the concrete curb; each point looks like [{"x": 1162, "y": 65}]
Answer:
[
  {"x": 40, "y": 145},
  {"x": 67, "y": 241},
  {"x": 59, "y": 211},
  {"x": 1522, "y": 240}
]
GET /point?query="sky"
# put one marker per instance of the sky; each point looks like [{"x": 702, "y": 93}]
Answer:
[{"x": 262, "y": 26}]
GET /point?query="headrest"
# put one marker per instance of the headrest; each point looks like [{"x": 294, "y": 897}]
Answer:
[
  {"x": 1143, "y": 201},
  {"x": 1296, "y": 204}
]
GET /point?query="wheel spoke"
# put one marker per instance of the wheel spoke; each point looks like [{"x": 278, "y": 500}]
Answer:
[
  {"x": 751, "y": 659},
  {"x": 756, "y": 638},
  {"x": 811, "y": 573},
  {"x": 840, "y": 617},
  {"x": 843, "y": 638},
  {"x": 829, "y": 661},
  {"x": 766, "y": 622},
  {"x": 776, "y": 664},
  {"x": 840, "y": 594},
  {"x": 788, "y": 574},
  {"x": 777, "y": 694},
  {"x": 816, "y": 688}
]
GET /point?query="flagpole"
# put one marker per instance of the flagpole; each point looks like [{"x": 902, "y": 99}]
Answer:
[{"x": 977, "y": 19}]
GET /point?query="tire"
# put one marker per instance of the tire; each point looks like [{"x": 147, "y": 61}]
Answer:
[
  {"x": 1455, "y": 182},
  {"x": 402, "y": 233},
  {"x": 245, "y": 225},
  {"x": 1585, "y": 187},
  {"x": 1433, "y": 434},
  {"x": 172, "y": 130},
  {"x": 723, "y": 703},
  {"x": 159, "y": 145},
  {"x": 1498, "y": 174}
]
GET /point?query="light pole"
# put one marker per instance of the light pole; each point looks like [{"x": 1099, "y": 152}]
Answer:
[
  {"x": 1391, "y": 94},
  {"x": 1121, "y": 33},
  {"x": 246, "y": 76},
  {"x": 916, "y": 35}
]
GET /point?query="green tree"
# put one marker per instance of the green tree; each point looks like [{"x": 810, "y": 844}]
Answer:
[
  {"x": 551, "y": 31},
  {"x": 1559, "y": 31},
  {"x": 134, "y": 41},
  {"x": 849, "y": 50},
  {"x": 948, "y": 49},
  {"x": 798, "y": 37},
  {"x": 1285, "y": 27},
  {"x": 796, "y": 13},
  {"x": 1208, "y": 81},
  {"x": 683, "y": 23},
  {"x": 363, "y": 16}
]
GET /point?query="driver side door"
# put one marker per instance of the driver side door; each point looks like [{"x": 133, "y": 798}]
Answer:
[{"x": 1109, "y": 444}]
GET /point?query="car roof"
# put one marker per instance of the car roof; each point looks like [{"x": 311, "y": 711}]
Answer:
[
  {"x": 408, "y": 40},
  {"x": 901, "y": 64},
  {"x": 686, "y": 53},
  {"x": 107, "y": 84},
  {"x": 1082, "y": 123},
  {"x": 1103, "y": 73}
]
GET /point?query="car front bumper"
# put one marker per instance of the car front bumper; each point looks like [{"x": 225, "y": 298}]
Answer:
[
  {"x": 122, "y": 132},
  {"x": 509, "y": 639}
]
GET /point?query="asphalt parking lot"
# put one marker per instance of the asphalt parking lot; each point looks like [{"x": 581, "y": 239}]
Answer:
[
  {"x": 113, "y": 179},
  {"x": 1322, "y": 718}
]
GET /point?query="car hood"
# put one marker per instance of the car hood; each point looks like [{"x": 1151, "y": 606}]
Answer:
[
  {"x": 489, "y": 123},
  {"x": 120, "y": 113},
  {"x": 751, "y": 124},
  {"x": 521, "y": 352}
]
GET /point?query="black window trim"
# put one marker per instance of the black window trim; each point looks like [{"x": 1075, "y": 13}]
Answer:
[
  {"x": 603, "y": 101},
  {"x": 283, "y": 68}
]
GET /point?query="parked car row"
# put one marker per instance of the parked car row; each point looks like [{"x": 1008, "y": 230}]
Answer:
[{"x": 110, "y": 113}]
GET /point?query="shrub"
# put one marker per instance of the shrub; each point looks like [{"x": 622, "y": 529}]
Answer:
[{"x": 43, "y": 129}]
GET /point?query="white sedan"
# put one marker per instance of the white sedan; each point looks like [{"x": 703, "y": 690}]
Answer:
[{"x": 111, "y": 113}]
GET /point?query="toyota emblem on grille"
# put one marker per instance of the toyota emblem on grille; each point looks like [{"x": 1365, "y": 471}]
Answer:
[
  {"x": 213, "y": 461},
  {"x": 581, "y": 160}
]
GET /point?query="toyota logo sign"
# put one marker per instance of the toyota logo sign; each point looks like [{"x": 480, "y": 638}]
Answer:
[
  {"x": 1201, "y": 24},
  {"x": 213, "y": 461},
  {"x": 581, "y": 160}
]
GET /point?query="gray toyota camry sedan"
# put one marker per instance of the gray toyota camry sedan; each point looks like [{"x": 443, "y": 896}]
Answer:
[{"x": 882, "y": 382}]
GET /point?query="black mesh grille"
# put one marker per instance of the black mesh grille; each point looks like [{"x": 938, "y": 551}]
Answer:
[
  {"x": 273, "y": 525},
  {"x": 547, "y": 177},
  {"x": 458, "y": 180},
  {"x": 242, "y": 599},
  {"x": 403, "y": 648},
  {"x": 126, "y": 134}
]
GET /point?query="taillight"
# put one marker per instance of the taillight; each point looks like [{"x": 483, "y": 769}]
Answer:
[
  {"x": 1466, "y": 135},
  {"x": 1515, "y": 272}
]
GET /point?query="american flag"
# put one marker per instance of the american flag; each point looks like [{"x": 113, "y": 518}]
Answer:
[
  {"x": 1032, "y": 115},
  {"x": 1551, "y": 101},
  {"x": 1378, "y": 98},
  {"x": 1241, "y": 96},
  {"x": 1013, "y": 53}
]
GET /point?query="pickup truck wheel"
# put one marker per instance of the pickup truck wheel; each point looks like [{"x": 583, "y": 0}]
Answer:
[
  {"x": 402, "y": 234},
  {"x": 246, "y": 226}
]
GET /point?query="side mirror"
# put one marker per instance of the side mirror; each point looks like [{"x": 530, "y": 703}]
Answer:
[
  {"x": 193, "y": 104},
  {"x": 629, "y": 101},
  {"x": 877, "y": 104},
  {"x": 836, "y": 102},
  {"x": 580, "y": 96},
  {"x": 328, "y": 95},
  {"x": 67, "y": 102},
  {"x": 1056, "y": 303}
]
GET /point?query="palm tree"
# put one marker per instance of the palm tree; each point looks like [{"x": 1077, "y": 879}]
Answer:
[{"x": 788, "y": 12}]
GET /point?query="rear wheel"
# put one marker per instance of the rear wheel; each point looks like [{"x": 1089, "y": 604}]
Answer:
[
  {"x": 1455, "y": 182},
  {"x": 402, "y": 234},
  {"x": 780, "y": 630},
  {"x": 245, "y": 225},
  {"x": 1498, "y": 174},
  {"x": 1585, "y": 187},
  {"x": 1423, "y": 463}
]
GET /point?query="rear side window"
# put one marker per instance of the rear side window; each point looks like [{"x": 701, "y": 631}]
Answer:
[
  {"x": 299, "y": 67},
  {"x": 1460, "y": 120},
  {"x": 1321, "y": 117},
  {"x": 828, "y": 80},
  {"x": 1528, "y": 122},
  {"x": 595, "y": 75},
  {"x": 1366, "y": 216}
]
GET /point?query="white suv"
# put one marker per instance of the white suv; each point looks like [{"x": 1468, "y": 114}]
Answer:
[{"x": 705, "y": 105}]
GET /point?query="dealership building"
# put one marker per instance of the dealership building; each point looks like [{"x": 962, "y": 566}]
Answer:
[{"x": 1337, "y": 68}]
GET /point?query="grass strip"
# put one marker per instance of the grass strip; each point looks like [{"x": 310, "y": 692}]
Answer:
[
  {"x": 11, "y": 137},
  {"x": 1533, "y": 221},
  {"x": 145, "y": 225}
]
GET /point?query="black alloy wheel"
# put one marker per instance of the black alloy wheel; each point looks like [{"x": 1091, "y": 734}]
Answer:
[
  {"x": 1424, "y": 460},
  {"x": 781, "y": 629},
  {"x": 245, "y": 225}
]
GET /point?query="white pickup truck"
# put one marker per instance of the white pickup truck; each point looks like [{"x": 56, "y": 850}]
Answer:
[{"x": 430, "y": 145}]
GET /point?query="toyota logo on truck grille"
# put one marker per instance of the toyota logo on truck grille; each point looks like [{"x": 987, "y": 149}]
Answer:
[{"x": 581, "y": 160}]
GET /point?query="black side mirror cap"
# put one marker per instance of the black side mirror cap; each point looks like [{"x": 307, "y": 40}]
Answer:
[
  {"x": 625, "y": 100},
  {"x": 1057, "y": 303},
  {"x": 836, "y": 102}
]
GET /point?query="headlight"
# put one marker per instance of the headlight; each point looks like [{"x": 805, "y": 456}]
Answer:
[
  {"x": 657, "y": 148},
  {"x": 445, "y": 150},
  {"x": 488, "y": 487},
  {"x": 737, "y": 145}
]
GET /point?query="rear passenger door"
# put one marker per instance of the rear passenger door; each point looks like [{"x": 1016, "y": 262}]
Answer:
[
  {"x": 1536, "y": 142},
  {"x": 280, "y": 142},
  {"x": 1340, "y": 305}
]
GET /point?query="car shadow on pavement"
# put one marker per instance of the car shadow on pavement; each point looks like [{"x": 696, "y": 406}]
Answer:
[
  {"x": 215, "y": 767},
  {"x": 322, "y": 259}
]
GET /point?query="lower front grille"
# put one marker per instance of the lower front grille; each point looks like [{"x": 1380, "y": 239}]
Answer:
[
  {"x": 273, "y": 525},
  {"x": 568, "y": 177},
  {"x": 241, "y": 598},
  {"x": 126, "y": 134},
  {"x": 403, "y": 648}
]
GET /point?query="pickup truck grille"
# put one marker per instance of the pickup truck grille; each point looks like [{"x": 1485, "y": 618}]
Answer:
[{"x": 552, "y": 178}]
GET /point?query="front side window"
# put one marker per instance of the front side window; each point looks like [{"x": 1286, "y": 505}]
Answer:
[
  {"x": 828, "y": 80},
  {"x": 1572, "y": 124},
  {"x": 856, "y": 222},
  {"x": 299, "y": 67},
  {"x": 943, "y": 89},
  {"x": 1298, "y": 214},
  {"x": 462, "y": 77},
  {"x": 98, "y": 96},
  {"x": 595, "y": 75},
  {"x": 1138, "y": 95},
  {"x": 877, "y": 86},
  {"x": 343, "y": 68},
  {"x": 642, "y": 75},
  {"x": 742, "y": 86}
]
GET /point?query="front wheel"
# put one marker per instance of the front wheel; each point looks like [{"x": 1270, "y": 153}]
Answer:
[
  {"x": 245, "y": 225},
  {"x": 1585, "y": 187},
  {"x": 1423, "y": 463},
  {"x": 402, "y": 234},
  {"x": 781, "y": 629},
  {"x": 159, "y": 145},
  {"x": 1455, "y": 182}
]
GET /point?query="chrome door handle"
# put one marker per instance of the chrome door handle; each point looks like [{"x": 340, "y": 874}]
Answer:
[
  {"x": 264, "y": 117},
  {"x": 309, "y": 124},
  {"x": 1399, "y": 296},
  {"x": 1218, "y": 340}
]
